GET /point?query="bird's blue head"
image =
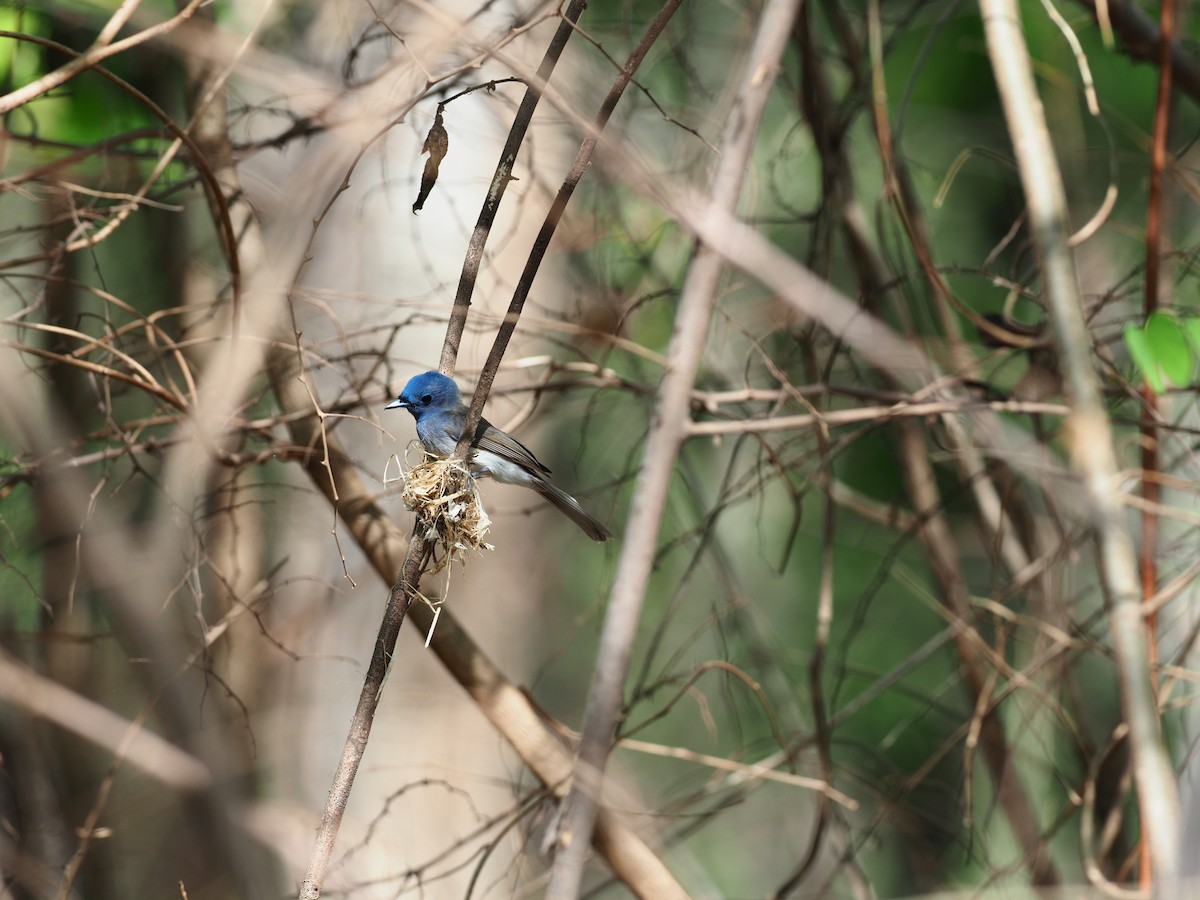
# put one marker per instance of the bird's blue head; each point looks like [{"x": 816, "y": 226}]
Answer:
[{"x": 427, "y": 392}]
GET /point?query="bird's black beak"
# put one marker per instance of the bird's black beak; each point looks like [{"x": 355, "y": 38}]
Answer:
[{"x": 398, "y": 403}]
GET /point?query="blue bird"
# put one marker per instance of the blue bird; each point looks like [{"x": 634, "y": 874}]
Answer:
[{"x": 436, "y": 404}]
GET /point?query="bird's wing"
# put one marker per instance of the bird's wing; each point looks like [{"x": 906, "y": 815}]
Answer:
[
  {"x": 439, "y": 432},
  {"x": 492, "y": 439}
]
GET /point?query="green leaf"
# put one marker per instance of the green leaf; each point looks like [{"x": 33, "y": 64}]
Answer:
[
  {"x": 1170, "y": 347},
  {"x": 20, "y": 61},
  {"x": 1191, "y": 327},
  {"x": 1143, "y": 356}
]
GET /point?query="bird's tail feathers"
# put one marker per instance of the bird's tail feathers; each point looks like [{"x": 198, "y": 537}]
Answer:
[{"x": 569, "y": 506}]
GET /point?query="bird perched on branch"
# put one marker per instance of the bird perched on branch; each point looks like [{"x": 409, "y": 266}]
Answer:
[{"x": 435, "y": 402}]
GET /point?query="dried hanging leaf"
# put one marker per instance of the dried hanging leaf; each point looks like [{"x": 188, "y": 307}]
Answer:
[{"x": 437, "y": 144}]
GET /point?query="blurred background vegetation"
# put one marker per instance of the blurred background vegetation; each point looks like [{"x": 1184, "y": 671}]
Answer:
[{"x": 220, "y": 210}]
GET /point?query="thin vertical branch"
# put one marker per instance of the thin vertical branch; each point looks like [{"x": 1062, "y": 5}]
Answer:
[
  {"x": 500, "y": 181},
  {"x": 667, "y": 431},
  {"x": 1090, "y": 436},
  {"x": 1151, "y": 490}
]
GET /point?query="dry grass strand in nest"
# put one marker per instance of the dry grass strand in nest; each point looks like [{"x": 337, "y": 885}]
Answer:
[{"x": 442, "y": 493}]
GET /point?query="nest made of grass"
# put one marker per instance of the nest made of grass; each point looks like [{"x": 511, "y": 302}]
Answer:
[{"x": 442, "y": 493}]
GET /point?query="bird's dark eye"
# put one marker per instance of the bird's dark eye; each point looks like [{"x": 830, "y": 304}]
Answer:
[{"x": 427, "y": 399}]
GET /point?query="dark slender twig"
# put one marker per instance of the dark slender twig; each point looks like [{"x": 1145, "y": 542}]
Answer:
[
  {"x": 541, "y": 243},
  {"x": 500, "y": 180},
  {"x": 485, "y": 86},
  {"x": 1150, "y": 414},
  {"x": 1143, "y": 42}
]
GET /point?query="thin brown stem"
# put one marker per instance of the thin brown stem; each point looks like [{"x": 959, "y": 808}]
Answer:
[{"x": 1150, "y": 488}]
